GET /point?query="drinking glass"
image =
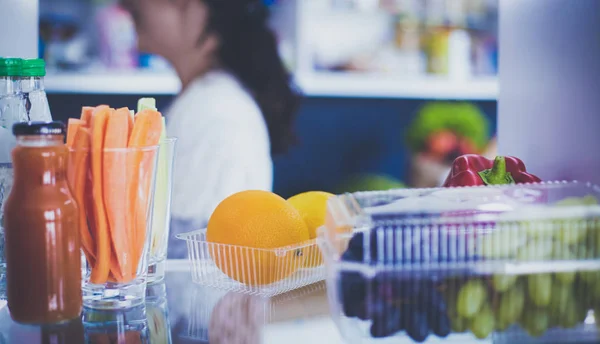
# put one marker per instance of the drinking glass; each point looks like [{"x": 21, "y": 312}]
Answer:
[
  {"x": 115, "y": 203},
  {"x": 161, "y": 214}
]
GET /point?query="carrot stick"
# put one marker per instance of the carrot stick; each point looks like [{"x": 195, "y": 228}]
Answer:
[
  {"x": 146, "y": 132},
  {"x": 131, "y": 115},
  {"x": 115, "y": 274},
  {"x": 115, "y": 189},
  {"x": 88, "y": 199},
  {"x": 72, "y": 126},
  {"x": 102, "y": 266},
  {"x": 81, "y": 145},
  {"x": 86, "y": 115}
]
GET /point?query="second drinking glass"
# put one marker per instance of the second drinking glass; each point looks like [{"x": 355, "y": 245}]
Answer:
[{"x": 161, "y": 214}]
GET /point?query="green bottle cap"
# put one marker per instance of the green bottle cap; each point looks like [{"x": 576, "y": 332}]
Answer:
[
  {"x": 10, "y": 67},
  {"x": 33, "y": 68}
]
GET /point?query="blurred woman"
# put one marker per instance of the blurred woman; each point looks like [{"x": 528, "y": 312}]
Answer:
[{"x": 236, "y": 107}]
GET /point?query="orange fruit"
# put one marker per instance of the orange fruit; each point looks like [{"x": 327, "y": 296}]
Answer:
[
  {"x": 256, "y": 222},
  {"x": 312, "y": 206}
]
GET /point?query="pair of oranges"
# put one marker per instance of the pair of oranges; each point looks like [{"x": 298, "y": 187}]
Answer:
[{"x": 248, "y": 225}]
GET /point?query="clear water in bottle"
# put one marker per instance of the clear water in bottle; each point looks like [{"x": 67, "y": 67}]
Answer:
[
  {"x": 32, "y": 85},
  {"x": 12, "y": 110}
]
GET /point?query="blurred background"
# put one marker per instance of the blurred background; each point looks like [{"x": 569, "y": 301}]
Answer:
[{"x": 393, "y": 90}]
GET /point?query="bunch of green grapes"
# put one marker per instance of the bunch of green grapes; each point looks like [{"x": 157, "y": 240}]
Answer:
[
  {"x": 536, "y": 302},
  {"x": 560, "y": 239}
]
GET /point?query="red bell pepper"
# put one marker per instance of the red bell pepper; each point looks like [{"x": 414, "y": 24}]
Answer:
[{"x": 473, "y": 170}]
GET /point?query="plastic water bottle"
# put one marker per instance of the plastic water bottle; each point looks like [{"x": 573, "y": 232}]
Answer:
[
  {"x": 12, "y": 110},
  {"x": 32, "y": 76}
]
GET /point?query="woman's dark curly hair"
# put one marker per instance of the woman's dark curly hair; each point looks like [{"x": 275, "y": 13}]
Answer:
[{"x": 248, "y": 49}]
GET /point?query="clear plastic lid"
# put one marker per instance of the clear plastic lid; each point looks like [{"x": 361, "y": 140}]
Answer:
[
  {"x": 546, "y": 222},
  {"x": 550, "y": 200}
]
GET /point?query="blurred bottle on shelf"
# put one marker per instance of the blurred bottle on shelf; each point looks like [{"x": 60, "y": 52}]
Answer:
[
  {"x": 437, "y": 49},
  {"x": 408, "y": 44},
  {"x": 63, "y": 44},
  {"x": 32, "y": 76},
  {"x": 118, "y": 42},
  {"x": 485, "y": 54},
  {"x": 459, "y": 55}
]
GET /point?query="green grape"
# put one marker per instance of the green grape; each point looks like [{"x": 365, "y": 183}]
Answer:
[
  {"x": 554, "y": 319},
  {"x": 537, "y": 229},
  {"x": 575, "y": 231},
  {"x": 570, "y": 317},
  {"x": 581, "y": 251},
  {"x": 566, "y": 277},
  {"x": 502, "y": 243},
  {"x": 471, "y": 297},
  {"x": 597, "y": 311},
  {"x": 484, "y": 323},
  {"x": 536, "y": 250},
  {"x": 596, "y": 232},
  {"x": 581, "y": 309},
  {"x": 561, "y": 296},
  {"x": 535, "y": 321},
  {"x": 574, "y": 201},
  {"x": 511, "y": 305},
  {"x": 571, "y": 231},
  {"x": 503, "y": 282},
  {"x": 459, "y": 324},
  {"x": 540, "y": 289},
  {"x": 595, "y": 291},
  {"x": 591, "y": 243},
  {"x": 501, "y": 325},
  {"x": 560, "y": 251},
  {"x": 590, "y": 277}
]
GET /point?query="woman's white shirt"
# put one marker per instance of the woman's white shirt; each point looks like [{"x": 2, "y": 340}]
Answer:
[{"x": 223, "y": 147}]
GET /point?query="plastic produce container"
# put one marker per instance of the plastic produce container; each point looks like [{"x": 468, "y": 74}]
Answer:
[
  {"x": 253, "y": 271},
  {"x": 516, "y": 263}
]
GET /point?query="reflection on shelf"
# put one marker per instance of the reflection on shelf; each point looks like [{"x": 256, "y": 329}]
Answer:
[{"x": 326, "y": 84}]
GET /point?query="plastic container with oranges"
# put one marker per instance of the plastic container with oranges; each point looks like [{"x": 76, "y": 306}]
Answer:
[{"x": 265, "y": 272}]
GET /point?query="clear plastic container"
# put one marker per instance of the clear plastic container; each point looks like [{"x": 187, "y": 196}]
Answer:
[
  {"x": 265, "y": 272},
  {"x": 512, "y": 263}
]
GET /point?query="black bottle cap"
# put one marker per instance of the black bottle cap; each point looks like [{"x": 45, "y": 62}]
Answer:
[{"x": 38, "y": 128}]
